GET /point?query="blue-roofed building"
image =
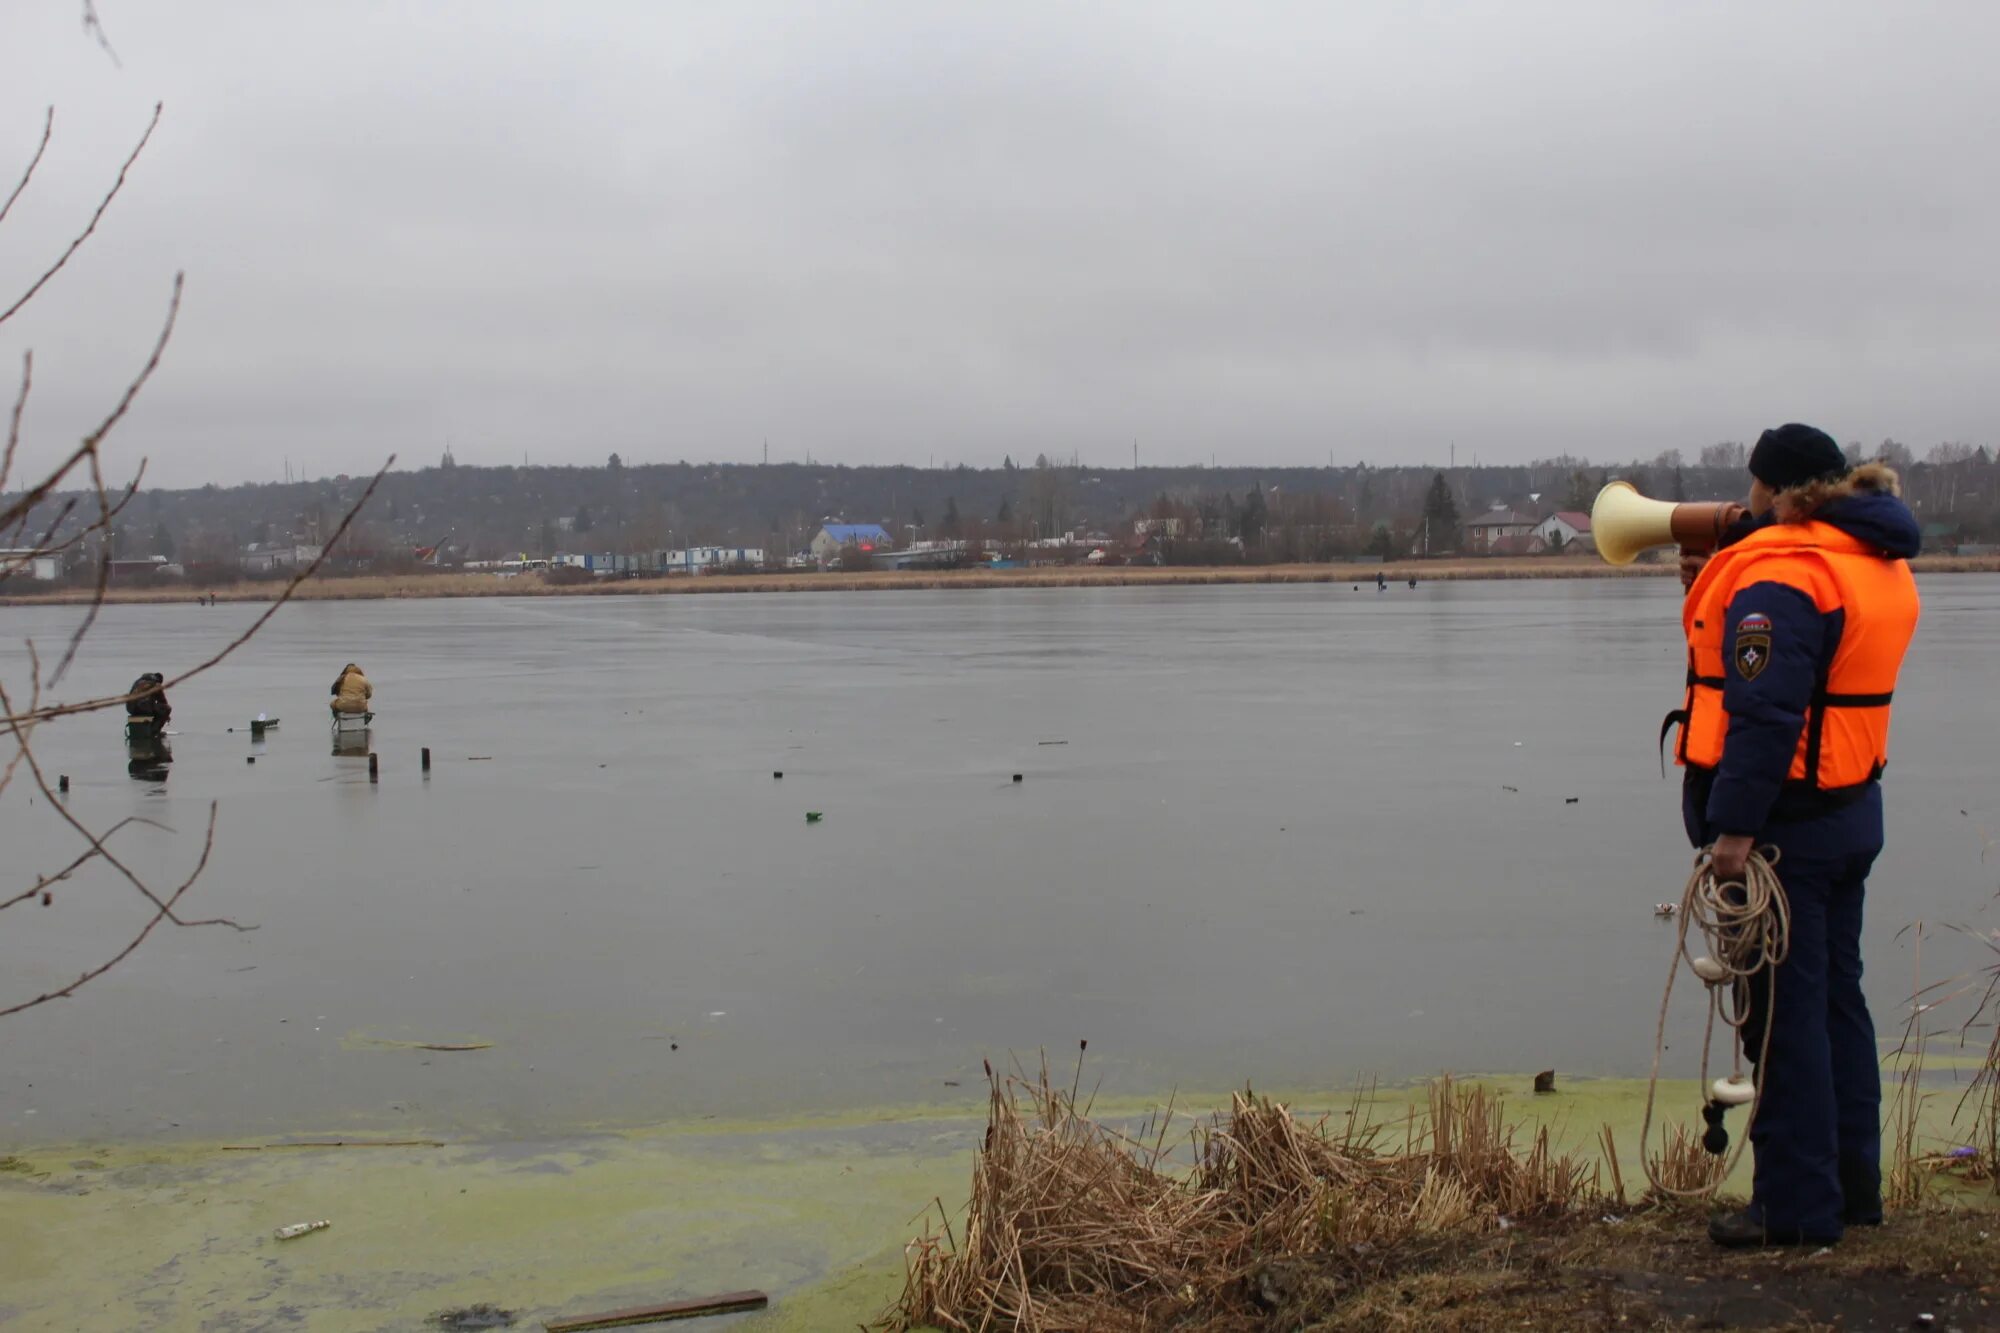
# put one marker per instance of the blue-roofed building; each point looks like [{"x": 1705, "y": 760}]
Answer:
[{"x": 834, "y": 537}]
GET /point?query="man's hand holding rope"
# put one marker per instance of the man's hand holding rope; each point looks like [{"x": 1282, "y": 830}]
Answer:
[{"x": 1731, "y": 856}]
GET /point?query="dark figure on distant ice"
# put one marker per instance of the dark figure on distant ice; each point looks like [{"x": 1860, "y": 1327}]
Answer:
[
  {"x": 351, "y": 691},
  {"x": 147, "y": 709},
  {"x": 146, "y": 714}
]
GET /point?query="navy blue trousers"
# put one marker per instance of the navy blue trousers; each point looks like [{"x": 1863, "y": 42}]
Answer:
[{"x": 1818, "y": 1134}]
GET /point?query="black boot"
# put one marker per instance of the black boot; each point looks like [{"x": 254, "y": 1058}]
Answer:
[
  {"x": 1745, "y": 1230},
  {"x": 1861, "y": 1196}
]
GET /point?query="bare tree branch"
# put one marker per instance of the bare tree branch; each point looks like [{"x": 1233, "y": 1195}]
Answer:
[
  {"x": 46, "y": 882},
  {"x": 95, "y": 218},
  {"x": 89, "y": 447},
  {"x": 14, "y": 419},
  {"x": 103, "y": 524},
  {"x": 48, "y": 127},
  {"x": 43, "y": 714},
  {"x": 93, "y": 441},
  {"x": 109, "y": 505},
  {"x": 47, "y": 544},
  {"x": 96, "y": 29},
  {"x": 98, "y": 851},
  {"x": 21, "y": 727},
  {"x": 21, "y": 748},
  {"x": 165, "y": 913}
]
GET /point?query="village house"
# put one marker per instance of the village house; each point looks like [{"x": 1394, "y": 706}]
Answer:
[
  {"x": 30, "y": 562},
  {"x": 1485, "y": 534},
  {"x": 268, "y": 558},
  {"x": 828, "y": 543},
  {"x": 711, "y": 559},
  {"x": 142, "y": 569},
  {"x": 921, "y": 555},
  {"x": 1564, "y": 530}
]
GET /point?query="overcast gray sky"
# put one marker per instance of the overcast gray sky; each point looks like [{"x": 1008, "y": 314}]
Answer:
[{"x": 892, "y": 232}]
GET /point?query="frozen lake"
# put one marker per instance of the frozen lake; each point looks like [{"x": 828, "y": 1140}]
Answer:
[{"x": 1285, "y": 834}]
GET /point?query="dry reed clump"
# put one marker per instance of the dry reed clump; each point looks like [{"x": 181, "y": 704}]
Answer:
[
  {"x": 1077, "y": 1225},
  {"x": 1682, "y": 1165},
  {"x": 1983, "y": 1096},
  {"x": 1966, "y": 1151}
]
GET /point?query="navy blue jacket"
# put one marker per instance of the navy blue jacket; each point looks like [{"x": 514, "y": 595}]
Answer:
[{"x": 1745, "y": 794}]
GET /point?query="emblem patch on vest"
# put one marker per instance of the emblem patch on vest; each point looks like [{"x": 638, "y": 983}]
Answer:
[{"x": 1753, "y": 653}]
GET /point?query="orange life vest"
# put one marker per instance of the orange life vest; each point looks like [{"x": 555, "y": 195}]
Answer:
[{"x": 1845, "y": 740}]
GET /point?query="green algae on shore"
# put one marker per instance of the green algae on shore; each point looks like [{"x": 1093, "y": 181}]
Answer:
[
  {"x": 181, "y": 1237},
  {"x": 814, "y": 1210}
]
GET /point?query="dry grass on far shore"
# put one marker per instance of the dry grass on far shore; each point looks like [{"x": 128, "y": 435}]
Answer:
[
  {"x": 379, "y": 587},
  {"x": 373, "y": 587}
]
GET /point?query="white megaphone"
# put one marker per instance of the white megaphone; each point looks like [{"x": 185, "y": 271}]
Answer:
[{"x": 1625, "y": 523}]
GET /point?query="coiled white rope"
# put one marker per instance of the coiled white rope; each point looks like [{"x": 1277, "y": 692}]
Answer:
[{"x": 1747, "y": 929}]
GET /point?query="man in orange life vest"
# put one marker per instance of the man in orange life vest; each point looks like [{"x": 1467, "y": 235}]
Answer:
[{"x": 1796, "y": 629}]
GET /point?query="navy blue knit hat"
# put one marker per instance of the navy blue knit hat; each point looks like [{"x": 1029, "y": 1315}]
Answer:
[{"x": 1792, "y": 455}]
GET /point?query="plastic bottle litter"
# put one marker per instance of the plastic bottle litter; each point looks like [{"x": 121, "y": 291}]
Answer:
[{"x": 297, "y": 1229}]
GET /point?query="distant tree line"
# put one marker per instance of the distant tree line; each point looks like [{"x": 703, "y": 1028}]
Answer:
[{"x": 1223, "y": 513}]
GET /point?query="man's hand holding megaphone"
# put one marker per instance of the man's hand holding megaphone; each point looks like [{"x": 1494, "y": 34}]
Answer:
[{"x": 1692, "y": 563}]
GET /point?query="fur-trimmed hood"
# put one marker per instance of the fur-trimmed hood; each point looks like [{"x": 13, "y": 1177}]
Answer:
[{"x": 1865, "y": 503}]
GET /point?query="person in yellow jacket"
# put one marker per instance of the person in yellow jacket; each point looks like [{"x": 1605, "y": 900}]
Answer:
[
  {"x": 351, "y": 690},
  {"x": 1796, "y": 629}
]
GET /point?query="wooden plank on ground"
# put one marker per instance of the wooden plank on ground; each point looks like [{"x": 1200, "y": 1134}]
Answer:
[{"x": 657, "y": 1314}]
